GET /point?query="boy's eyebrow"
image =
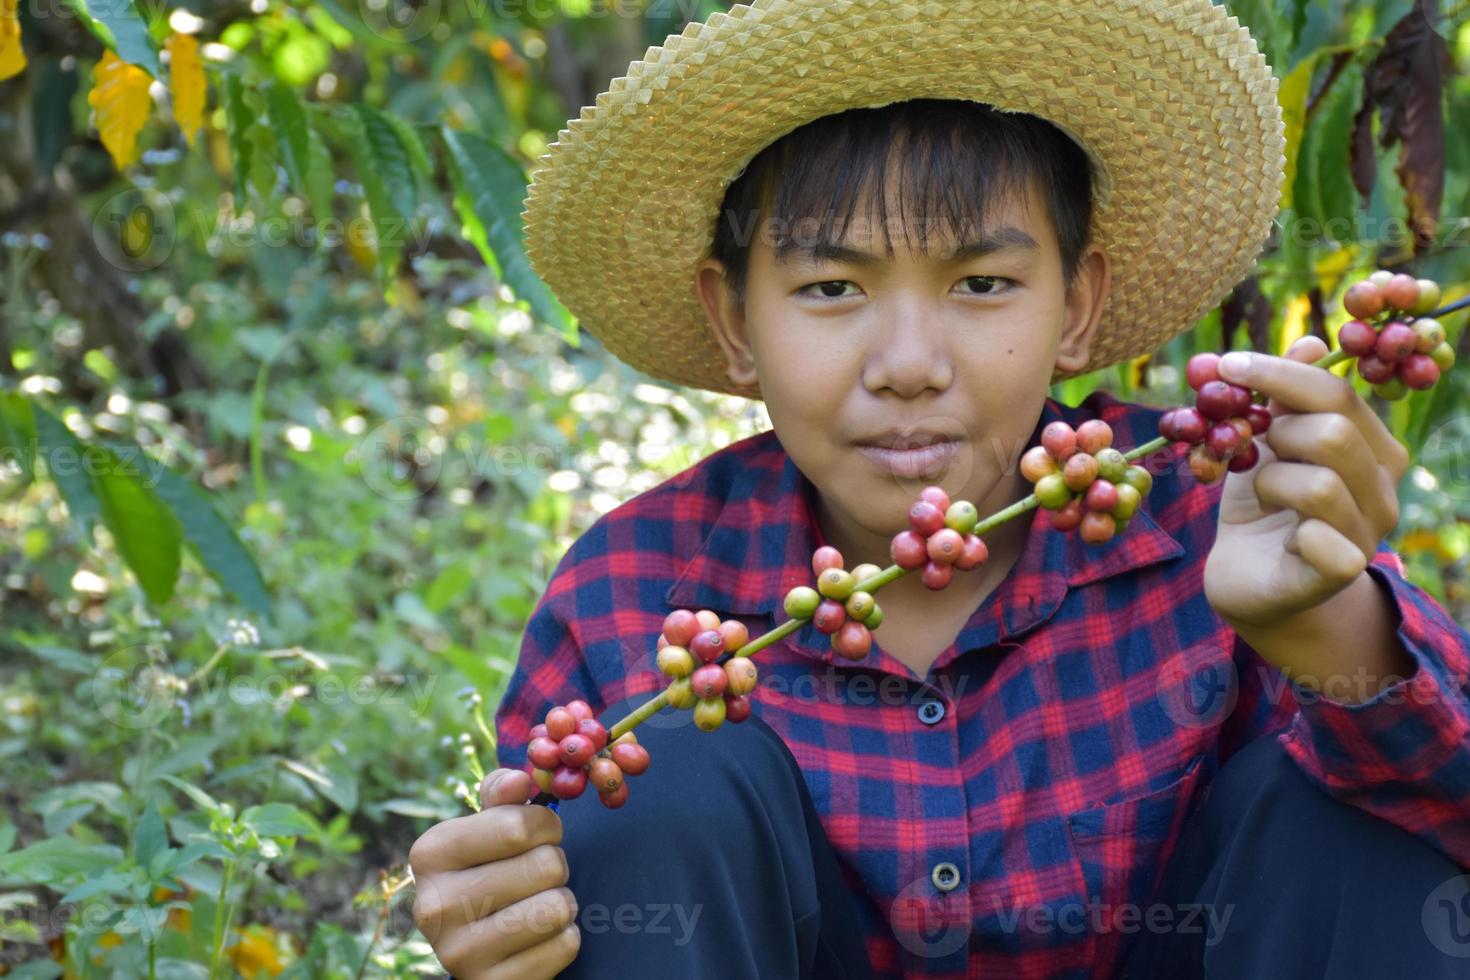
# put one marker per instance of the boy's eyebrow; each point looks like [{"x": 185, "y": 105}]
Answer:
[{"x": 987, "y": 243}]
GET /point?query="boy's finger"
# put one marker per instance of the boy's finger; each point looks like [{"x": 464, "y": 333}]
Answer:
[
  {"x": 505, "y": 786},
  {"x": 1300, "y": 387}
]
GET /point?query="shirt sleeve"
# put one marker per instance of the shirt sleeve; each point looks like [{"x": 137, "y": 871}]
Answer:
[{"x": 1402, "y": 755}]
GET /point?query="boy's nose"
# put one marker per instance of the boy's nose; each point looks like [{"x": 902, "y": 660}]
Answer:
[{"x": 910, "y": 355}]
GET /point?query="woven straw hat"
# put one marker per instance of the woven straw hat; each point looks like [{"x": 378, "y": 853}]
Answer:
[{"x": 1171, "y": 99}]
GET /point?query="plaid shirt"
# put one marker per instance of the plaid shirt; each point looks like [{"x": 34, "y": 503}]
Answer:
[{"x": 1054, "y": 748}]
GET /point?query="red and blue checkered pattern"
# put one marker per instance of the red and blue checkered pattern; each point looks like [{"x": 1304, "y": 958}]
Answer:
[{"x": 1085, "y": 704}]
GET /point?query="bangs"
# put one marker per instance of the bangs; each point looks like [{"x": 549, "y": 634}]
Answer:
[{"x": 958, "y": 163}]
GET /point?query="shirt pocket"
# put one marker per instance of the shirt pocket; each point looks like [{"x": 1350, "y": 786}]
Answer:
[{"x": 1120, "y": 848}]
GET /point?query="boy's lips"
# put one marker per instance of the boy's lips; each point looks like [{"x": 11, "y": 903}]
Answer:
[{"x": 914, "y": 458}]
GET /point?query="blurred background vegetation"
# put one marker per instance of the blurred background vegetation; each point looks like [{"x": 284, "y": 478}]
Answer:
[{"x": 292, "y": 437}]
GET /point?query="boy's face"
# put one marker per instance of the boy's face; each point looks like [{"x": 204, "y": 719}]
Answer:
[{"x": 847, "y": 352}]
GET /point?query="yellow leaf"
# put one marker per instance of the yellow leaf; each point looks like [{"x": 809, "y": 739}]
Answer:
[
  {"x": 1294, "y": 327},
  {"x": 186, "y": 80},
  {"x": 120, "y": 96},
  {"x": 12, "y": 55}
]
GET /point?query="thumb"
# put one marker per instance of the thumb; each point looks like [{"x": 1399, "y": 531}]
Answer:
[{"x": 505, "y": 786}]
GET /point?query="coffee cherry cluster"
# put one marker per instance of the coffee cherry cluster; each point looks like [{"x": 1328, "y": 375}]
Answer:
[
  {"x": 1222, "y": 424},
  {"x": 837, "y": 607},
  {"x": 1397, "y": 346},
  {"x": 688, "y": 648},
  {"x": 569, "y": 752},
  {"x": 1085, "y": 483},
  {"x": 940, "y": 538}
]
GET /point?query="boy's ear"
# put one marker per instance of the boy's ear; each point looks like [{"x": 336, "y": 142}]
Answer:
[
  {"x": 1084, "y": 306},
  {"x": 727, "y": 320}
]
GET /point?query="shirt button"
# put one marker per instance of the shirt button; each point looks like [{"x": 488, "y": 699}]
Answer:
[
  {"x": 931, "y": 711},
  {"x": 946, "y": 876}
]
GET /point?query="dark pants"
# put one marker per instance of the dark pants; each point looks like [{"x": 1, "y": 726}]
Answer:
[{"x": 718, "y": 867}]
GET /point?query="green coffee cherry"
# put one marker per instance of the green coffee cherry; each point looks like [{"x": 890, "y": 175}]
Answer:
[
  {"x": 802, "y": 601},
  {"x": 961, "y": 516}
]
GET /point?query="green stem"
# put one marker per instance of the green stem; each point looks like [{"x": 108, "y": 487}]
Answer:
[{"x": 219, "y": 920}]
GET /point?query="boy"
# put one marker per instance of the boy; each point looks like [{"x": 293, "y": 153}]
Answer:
[{"x": 1076, "y": 760}]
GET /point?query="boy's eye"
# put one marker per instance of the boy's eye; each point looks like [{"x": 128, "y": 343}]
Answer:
[
  {"x": 832, "y": 289},
  {"x": 985, "y": 285}
]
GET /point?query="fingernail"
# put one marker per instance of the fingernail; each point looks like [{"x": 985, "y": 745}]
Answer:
[{"x": 1237, "y": 362}]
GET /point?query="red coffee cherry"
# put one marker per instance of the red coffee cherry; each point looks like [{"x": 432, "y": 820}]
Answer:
[
  {"x": 593, "y": 730},
  {"x": 1215, "y": 400},
  {"x": 1080, "y": 471},
  {"x": 560, "y": 723},
  {"x": 1102, "y": 496},
  {"x": 576, "y": 750},
  {"x": 1093, "y": 436},
  {"x": 708, "y": 645},
  {"x": 1357, "y": 337},
  {"x": 680, "y": 627},
  {"x": 741, "y": 674},
  {"x": 708, "y": 619},
  {"x": 1402, "y": 292},
  {"x": 737, "y": 708},
  {"x": 631, "y": 757},
  {"x": 829, "y": 617},
  {"x": 1202, "y": 368},
  {"x": 1245, "y": 458},
  {"x": 1068, "y": 517},
  {"x": 616, "y": 798},
  {"x": 824, "y": 558},
  {"x": 604, "y": 775},
  {"x": 936, "y": 496},
  {"x": 945, "y": 545},
  {"x": 1419, "y": 372},
  {"x": 1097, "y": 527},
  {"x": 1259, "y": 417},
  {"x": 735, "y": 633},
  {"x": 909, "y": 549},
  {"x": 543, "y": 753},
  {"x": 1060, "y": 440},
  {"x": 1036, "y": 462},
  {"x": 1374, "y": 369},
  {"x": 853, "y": 640},
  {"x": 538, "y": 731},
  {"x": 1363, "y": 300},
  {"x": 974, "y": 553},
  {"x": 1206, "y": 467},
  {"x": 580, "y": 709},
  {"x": 1223, "y": 439},
  {"x": 936, "y": 576},
  {"x": 925, "y": 518},
  {"x": 1183, "y": 425},
  {"x": 709, "y": 681},
  {"x": 568, "y": 782},
  {"x": 1396, "y": 342}
]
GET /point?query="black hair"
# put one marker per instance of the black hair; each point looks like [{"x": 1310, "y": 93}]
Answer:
[{"x": 962, "y": 158}]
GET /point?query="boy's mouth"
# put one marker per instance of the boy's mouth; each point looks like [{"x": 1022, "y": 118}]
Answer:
[{"x": 910, "y": 454}]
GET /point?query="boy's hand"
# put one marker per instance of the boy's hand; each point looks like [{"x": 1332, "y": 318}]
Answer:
[
  {"x": 490, "y": 887},
  {"x": 1305, "y": 523}
]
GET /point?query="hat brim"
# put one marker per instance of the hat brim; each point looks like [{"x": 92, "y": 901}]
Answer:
[{"x": 1172, "y": 99}]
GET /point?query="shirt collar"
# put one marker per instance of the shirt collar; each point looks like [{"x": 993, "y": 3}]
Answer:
[{"x": 761, "y": 543}]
